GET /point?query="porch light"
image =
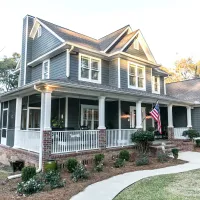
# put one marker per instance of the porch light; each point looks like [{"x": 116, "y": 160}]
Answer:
[
  {"x": 148, "y": 117},
  {"x": 125, "y": 116}
]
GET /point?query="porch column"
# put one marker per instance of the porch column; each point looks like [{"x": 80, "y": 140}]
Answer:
[
  {"x": 47, "y": 110},
  {"x": 102, "y": 128},
  {"x": 18, "y": 114},
  {"x": 66, "y": 112},
  {"x": 189, "y": 120},
  {"x": 138, "y": 115},
  {"x": 170, "y": 122}
]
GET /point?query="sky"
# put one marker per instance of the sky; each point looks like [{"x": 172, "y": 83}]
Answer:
[{"x": 170, "y": 27}]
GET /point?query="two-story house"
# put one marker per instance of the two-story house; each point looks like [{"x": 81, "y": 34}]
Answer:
[{"x": 77, "y": 93}]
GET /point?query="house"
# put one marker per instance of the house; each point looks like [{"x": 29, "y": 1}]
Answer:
[{"x": 99, "y": 91}]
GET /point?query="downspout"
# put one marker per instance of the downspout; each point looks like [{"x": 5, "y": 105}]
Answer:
[{"x": 41, "y": 139}]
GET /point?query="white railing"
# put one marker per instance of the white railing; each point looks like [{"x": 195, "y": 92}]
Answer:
[
  {"x": 74, "y": 141},
  {"x": 28, "y": 140},
  {"x": 119, "y": 137},
  {"x": 178, "y": 132}
]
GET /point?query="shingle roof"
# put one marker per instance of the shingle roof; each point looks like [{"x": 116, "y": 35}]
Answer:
[
  {"x": 83, "y": 40},
  {"x": 188, "y": 90},
  {"x": 159, "y": 72}
]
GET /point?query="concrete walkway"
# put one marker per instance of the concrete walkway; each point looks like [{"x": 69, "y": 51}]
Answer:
[{"x": 109, "y": 188}]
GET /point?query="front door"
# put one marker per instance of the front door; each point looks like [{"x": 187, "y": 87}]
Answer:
[
  {"x": 4, "y": 126},
  {"x": 133, "y": 117}
]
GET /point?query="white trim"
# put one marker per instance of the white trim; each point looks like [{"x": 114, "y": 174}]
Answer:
[
  {"x": 136, "y": 72},
  {"x": 128, "y": 28},
  {"x": 46, "y": 54},
  {"x": 165, "y": 91},
  {"x": 5, "y": 139},
  {"x": 89, "y": 79},
  {"x": 47, "y": 28},
  {"x": 39, "y": 32},
  {"x": 66, "y": 111},
  {"x": 93, "y": 107},
  {"x": 25, "y": 56},
  {"x": 153, "y": 84},
  {"x": 48, "y": 61},
  {"x": 136, "y": 44},
  {"x": 67, "y": 63},
  {"x": 119, "y": 73},
  {"x": 102, "y": 112},
  {"x": 119, "y": 113},
  {"x": 124, "y": 47},
  {"x": 28, "y": 114}
]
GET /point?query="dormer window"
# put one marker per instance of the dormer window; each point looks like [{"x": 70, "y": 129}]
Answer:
[
  {"x": 136, "y": 44},
  {"x": 39, "y": 32},
  {"x": 156, "y": 84}
]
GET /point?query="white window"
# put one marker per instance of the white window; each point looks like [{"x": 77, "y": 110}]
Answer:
[
  {"x": 136, "y": 76},
  {"x": 39, "y": 32},
  {"x": 90, "y": 116},
  {"x": 136, "y": 44},
  {"x": 156, "y": 84},
  {"x": 45, "y": 69},
  {"x": 89, "y": 69}
]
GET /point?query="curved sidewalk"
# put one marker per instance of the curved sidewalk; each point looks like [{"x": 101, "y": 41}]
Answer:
[{"x": 109, "y": 188}]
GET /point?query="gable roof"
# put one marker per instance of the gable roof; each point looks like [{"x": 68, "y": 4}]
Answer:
[
  {"x": 188, "y": 90},
  {"x": 115, "y": 41}
]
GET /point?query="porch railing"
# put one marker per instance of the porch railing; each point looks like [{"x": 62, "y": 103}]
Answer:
[
  {"x": 119, "y": 137},
  {"x": 28, "y": 140},
  {"x": 178, "y": 132},
  {"x": 74, "y": 141}
]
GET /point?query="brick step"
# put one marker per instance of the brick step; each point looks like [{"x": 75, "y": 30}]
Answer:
[{"x": 160, "y": 143}]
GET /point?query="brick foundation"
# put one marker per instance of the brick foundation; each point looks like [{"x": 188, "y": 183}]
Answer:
[
  {"x": 170, "y": 133},
  {"x": 8, "y": 153},
  {"x": 102, "y": 138}
]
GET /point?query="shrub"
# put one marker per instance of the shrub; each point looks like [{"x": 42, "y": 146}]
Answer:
[
  {"x": 28, "y": 173},
  {"x": 98, "y": 158},
  {"x": 191, "y": 133},
  {"x": 162, "y": 157},
  {"x": 29, "y": 187},
  {"x": 151, "y": 129},
  {"x": 143, "y": 140},
  {"x": 143, "y": 160},
  {"x": 119, "y": 163},
  {"x": 53, "y": 178},
  {"x": 71, "y": 164},
  {"x": 175, "y": 151},
  {"x": 80, "y": 172},
  {"x": 99, "y": 167},
  {"x": 198, "y": 143},
  {"x": 124, "y": 155}
]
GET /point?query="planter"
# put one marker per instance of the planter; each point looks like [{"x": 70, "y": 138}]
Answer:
[{"x": 50, "y": 165}]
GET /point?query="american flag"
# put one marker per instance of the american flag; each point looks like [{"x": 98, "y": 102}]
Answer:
[{"x": 155, "y": 113}]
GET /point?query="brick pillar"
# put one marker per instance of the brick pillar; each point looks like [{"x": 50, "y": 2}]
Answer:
[
  {"x": 170, "y": 133},
  {"x": 47, "y": 140},
  {"x": 102, "y": 138}
]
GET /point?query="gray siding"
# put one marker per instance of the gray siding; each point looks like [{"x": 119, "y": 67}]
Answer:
[
  {"x": 113, "y": 73},
  {"x": 196, "y": 118},
  {"x": 162, "y": 90},
  {"x": 36, "y": 72},
  {"x": 179, "y": 116},
  {"x": 73, "y": 67},
  {"x": 148, "y": 80},
  {"x": 104, "y": 72},
  {"x": 10, "y": 137},
  {"x": 139, "y": 53},
  {"x": 43, "y": 44},
  {"x": 58, "y": 66}
]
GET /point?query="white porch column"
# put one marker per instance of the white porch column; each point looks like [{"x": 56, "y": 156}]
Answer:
[
  {"x": 18, "y": 114},
  {"x": 119, "y": 113},
  {"x": 189, "y": 120},
  {"x": 102, "y": 112},
  {"x": 138, "y": 114},
  {"x": 47, "y": 110},
  {"x": 170, "y": 116},
  {"x": 67, "y": 62},
  {"x": 66, "y": 111}
]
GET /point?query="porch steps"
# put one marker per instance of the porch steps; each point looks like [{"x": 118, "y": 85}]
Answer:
[{"x": 157, "y": 147}]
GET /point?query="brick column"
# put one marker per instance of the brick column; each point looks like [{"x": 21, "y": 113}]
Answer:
[
  {"x": 102, "y": 138},
  {"x": 170, "y": 133}
]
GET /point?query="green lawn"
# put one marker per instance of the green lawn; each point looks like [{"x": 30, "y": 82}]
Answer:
[{"x": 182, "y": 186}]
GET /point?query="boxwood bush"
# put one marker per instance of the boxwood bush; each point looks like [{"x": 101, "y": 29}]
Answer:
[
  {"x": 71, "y": 164},
  {"x": 28, "y": 173},
  {"x": 191, "y": 133},
  {"x": 142, "y": 160},
  {"x": 124, "y": 155}
]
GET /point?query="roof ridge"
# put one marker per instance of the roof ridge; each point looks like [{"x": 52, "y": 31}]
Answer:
[{"x": 113, "y": 32}]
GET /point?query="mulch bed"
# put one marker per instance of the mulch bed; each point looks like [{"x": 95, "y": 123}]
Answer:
[{"x": 8, "y": 189}]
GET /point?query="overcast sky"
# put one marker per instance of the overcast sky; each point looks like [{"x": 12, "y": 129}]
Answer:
[{"x": 170, "y": 27}]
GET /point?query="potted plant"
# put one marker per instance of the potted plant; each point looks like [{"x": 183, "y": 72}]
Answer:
[
  {"x": 175, "y": 153},
  {"x": 57, "y": 123}
]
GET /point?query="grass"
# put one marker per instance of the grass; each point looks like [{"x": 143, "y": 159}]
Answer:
[{"x": 181, "y": 186}]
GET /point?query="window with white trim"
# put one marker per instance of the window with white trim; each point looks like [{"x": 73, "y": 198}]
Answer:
[
  {"x": 89, "y": 69},
  {"x": 39, "y": 32},
  {"x": 156, "y": 84},
  {"x": 136, "y": 44},
  {"x": 90, "y": 116},
  {"x": 136, "y": 76},
  {"x": 45, "y": 69}
]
